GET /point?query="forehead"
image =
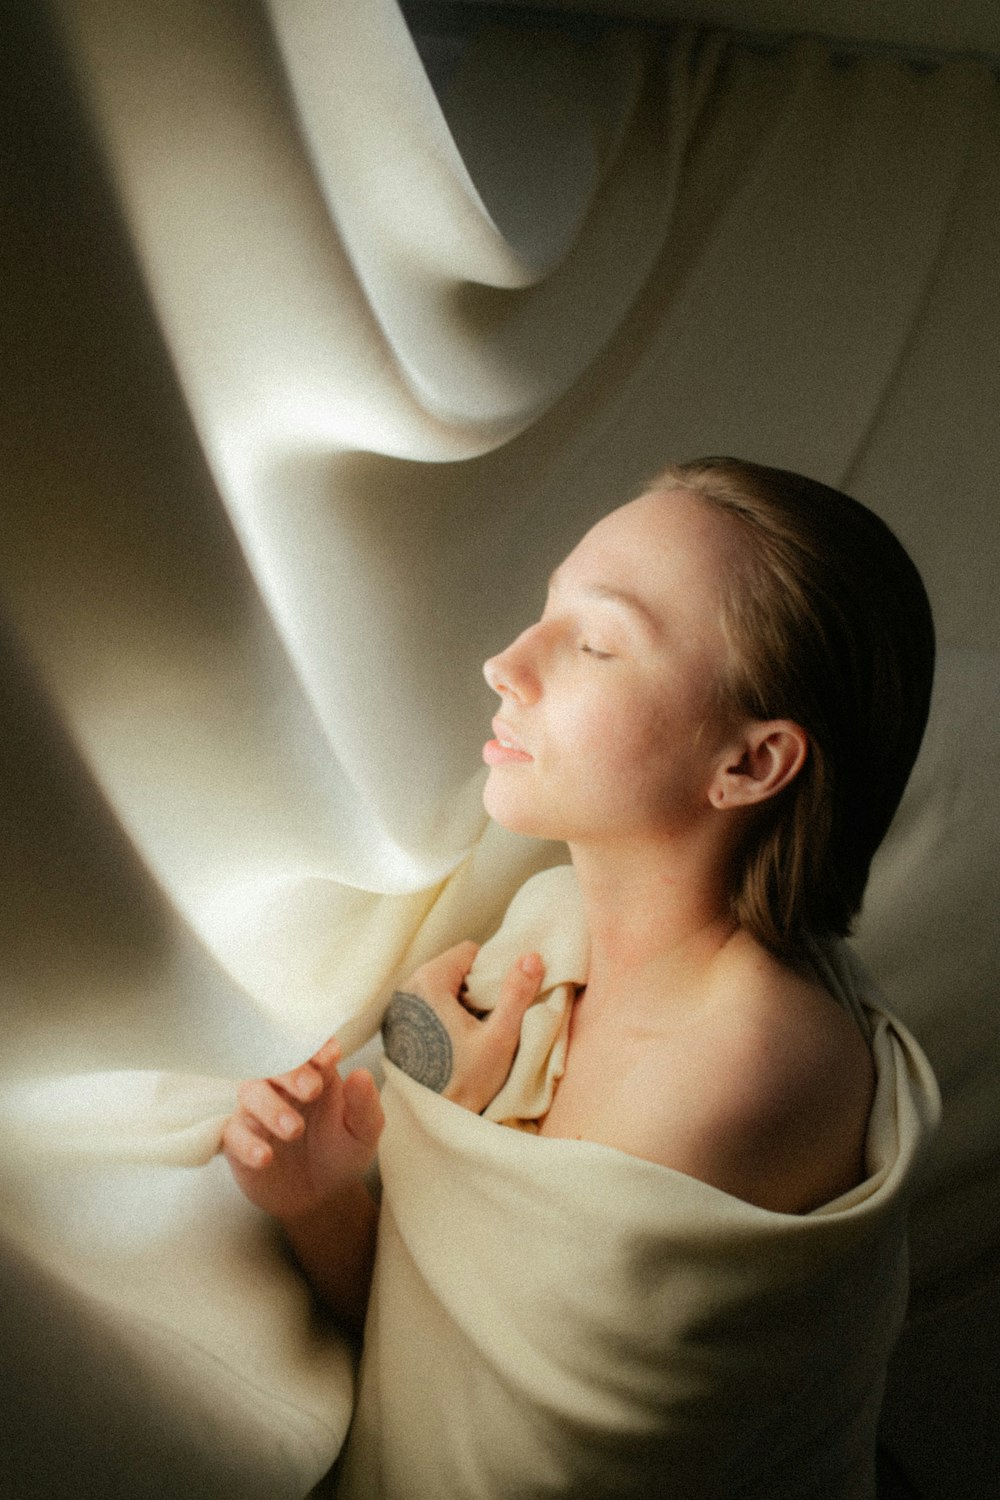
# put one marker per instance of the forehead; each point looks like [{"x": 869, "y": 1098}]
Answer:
[{"x": 658, "y": 545}]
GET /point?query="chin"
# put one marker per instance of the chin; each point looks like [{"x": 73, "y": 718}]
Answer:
[{"x": 513, "y": 812}]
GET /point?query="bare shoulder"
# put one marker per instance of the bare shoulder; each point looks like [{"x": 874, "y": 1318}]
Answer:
[
  {"x": 758, "y": 1084},
  {"x": 788, "y": 1026},
  {"x": 787, "y": 1113},
  {"x": 763, "y": 1090}
]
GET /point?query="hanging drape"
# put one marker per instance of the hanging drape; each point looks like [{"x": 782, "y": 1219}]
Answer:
[{"x": 311, "y": 379}]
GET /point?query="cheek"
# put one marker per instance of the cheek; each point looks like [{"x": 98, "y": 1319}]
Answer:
[
  {"x": 624, "y": 757},
  {"x": 655, "y": 763}
]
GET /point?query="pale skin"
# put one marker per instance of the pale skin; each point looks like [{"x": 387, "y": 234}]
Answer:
[{"x": 692, "y": 1046}]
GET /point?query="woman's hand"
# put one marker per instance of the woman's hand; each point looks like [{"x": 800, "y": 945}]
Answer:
[
  {"x": 297, "y": 1139},
  {"x": 433, "y": 1036}
]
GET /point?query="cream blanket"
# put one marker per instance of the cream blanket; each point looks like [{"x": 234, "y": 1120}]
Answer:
[{"x": 552, "y": 1317}]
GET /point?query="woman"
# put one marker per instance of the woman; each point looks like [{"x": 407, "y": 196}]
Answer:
[{"x": 717, "y": 711}]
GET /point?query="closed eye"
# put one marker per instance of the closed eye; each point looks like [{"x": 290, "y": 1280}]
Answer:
[{"x": 592, "y": 651}]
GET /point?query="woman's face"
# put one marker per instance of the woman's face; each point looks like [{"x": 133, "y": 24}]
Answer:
[{"x": 608, "y": 727}]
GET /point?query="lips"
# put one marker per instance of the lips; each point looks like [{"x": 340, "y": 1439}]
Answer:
[
  {"x": 505, "y": 736},
  {"x": 505, "y": 750}
]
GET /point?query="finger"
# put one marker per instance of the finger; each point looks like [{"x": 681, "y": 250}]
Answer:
[
  {"x": 304, "y": 1083},
  {"x": 244, "y": 1146},
  {"x": 363, "y": 1115},
  {"x": 520, "y": 987},
  {"x": 327, "y": 1058},
  {"x": 269, "y": 1106},
  {"x": 447, "y": 971}
]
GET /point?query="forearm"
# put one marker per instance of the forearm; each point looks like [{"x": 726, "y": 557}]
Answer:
[{"x": 334, "y": 1244}]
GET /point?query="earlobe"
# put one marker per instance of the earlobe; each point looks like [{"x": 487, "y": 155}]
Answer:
[{"x": 766, "y": 759}]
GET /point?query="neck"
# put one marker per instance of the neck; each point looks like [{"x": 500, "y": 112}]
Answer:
[{"x": 657, "y": 916}]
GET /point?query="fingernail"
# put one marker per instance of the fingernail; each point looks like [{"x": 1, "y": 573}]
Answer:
[
  {"x": 531, "y": 965},
  {"x": 287, "y": 1124}
]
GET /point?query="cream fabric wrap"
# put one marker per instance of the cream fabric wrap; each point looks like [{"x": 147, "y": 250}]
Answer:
[{"x": 555, "y": 1317}]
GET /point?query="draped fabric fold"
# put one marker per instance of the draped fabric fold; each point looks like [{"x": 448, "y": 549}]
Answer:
[{"x": 311, "y": 379}]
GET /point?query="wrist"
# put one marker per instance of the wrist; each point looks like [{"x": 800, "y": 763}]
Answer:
[{"x": 315, "y": 1213}]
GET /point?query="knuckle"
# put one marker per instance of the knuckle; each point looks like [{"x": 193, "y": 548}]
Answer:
[
  {"x": 261, "y": 1095},
  {"x": 324, "y": 1062},
  {"x": 300, "y": 1082},
  {"x": 238, "y": 1142},
  {"x": 261, "y": 1100}
]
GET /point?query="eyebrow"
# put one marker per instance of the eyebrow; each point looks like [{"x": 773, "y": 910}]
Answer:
[{"x": 623, "y": 597}]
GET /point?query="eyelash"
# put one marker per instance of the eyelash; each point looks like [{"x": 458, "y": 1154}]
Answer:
[{"x": 599, "y": 655}]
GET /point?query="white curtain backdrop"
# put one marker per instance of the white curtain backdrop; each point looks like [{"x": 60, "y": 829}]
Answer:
[{"x": 310, "y": 380}]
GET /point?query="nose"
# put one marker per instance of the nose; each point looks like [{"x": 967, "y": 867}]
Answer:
[{"x": 512, "y": 673}]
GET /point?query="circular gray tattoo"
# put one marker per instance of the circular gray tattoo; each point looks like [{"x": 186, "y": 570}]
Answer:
[{"x": 416, "y": 1041}]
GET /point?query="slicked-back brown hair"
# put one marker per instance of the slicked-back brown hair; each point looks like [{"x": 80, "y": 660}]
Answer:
[{"x": 829, "y": 625}]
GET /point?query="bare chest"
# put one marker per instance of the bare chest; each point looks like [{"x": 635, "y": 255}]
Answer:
[{"x": 619, "y": 1088}]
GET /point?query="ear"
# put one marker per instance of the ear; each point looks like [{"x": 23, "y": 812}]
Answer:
[{"x": 767, "y": 756}]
